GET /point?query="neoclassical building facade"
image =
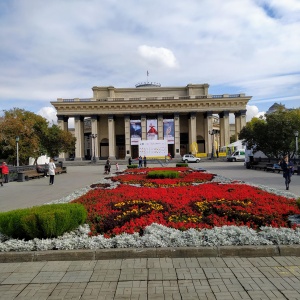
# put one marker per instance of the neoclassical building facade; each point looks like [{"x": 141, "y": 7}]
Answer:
[{"x": 120, "y": 117}]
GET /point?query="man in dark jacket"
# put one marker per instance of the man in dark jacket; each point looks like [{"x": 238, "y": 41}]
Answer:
[{"x": 287, "y": 169}]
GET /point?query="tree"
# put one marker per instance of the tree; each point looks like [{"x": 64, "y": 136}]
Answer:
[
  {"x": 35, "y": 137},
  {"x": 29, "y": 127},
  {"x": 273, "y": 135},
  {"x": 58, "y": 141}
]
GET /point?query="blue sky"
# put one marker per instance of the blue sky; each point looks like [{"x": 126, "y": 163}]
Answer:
[{"x": 62, "y": 48}]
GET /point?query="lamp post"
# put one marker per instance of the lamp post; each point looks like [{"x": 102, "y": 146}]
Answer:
[
  {"x": 94, "y": 136},
  {"x": 17, "y": 142},
  {"x": 296, "y": 133},
  {"x": 212, "y": 133}
]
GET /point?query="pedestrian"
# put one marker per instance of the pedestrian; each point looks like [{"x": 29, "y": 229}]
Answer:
[
  {"x": 117, "y": 167},
  {"x": 129, "y": 161},
  {"x": 287, "y": 169},
  {"x": 5, "y": 172},
  {"x": 140, "y": 162},
  {"x": 51, "y": 171},
  {"x": 145, "y": 161},
  {"x": 107, "y": 167},
  {"x": 217, "y": 153}
]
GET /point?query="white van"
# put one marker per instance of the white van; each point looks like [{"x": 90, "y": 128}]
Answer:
[{"x": 237, "y": 155}]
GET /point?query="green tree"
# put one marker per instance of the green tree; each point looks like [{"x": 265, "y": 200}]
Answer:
[
  {"x": 29, "y": 127},
  {"x": 36, "y": 138},
  {"x": 273, "y": 135},
  {"x": 58, "y": 141}
]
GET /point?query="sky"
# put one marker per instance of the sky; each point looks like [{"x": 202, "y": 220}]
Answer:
[{"x": 62, "y": 48}]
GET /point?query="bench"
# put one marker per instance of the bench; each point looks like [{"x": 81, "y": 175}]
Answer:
[
  {"x": 259, "y": 166},
  {"x": 60, "y": 170},
  {"x": 30, "y": 174}
]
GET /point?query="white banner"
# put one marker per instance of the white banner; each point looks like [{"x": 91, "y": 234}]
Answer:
[{"x": 153, "y": 148}]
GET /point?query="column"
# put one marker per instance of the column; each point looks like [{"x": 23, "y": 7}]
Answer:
[
  {"x": 208, "y": 127},
  {"x": 240, "y": 122},
  {"x": 111, "y": 138},
  {"x": 160, "y": 126},
  {"x": 144, "y": 127},
  {"x": 94, "y": 129},
  {"x": 177, "y": 135},
  {"x": 79, "y": 128},
  {"x": 127, "y": 136},
  {"x": 192, "y": 132},
  {"x": 224, "y": 128},
  {"x": 62, "y": 123}
]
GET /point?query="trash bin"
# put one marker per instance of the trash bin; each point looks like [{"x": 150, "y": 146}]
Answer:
[{"x": 21, "y": 176}]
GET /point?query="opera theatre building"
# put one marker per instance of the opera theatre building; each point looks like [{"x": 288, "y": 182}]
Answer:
[{"x": 114, "y": 121}]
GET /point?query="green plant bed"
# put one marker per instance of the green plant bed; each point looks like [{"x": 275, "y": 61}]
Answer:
[
  {"x": 162, "y": 174},
  {"x": 182, "y": 165},
  {"x": 42, "y": 222},
  {"x": 132, "y": 166}
]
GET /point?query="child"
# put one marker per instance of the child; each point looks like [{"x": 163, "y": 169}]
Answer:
[{"x": 117, "y": 167}]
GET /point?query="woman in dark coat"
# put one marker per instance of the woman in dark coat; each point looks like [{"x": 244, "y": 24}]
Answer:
[{"x": 287, "y": 169}]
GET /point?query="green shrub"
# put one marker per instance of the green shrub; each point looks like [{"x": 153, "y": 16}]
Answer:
[
  {"x": 132, "y": 166},
  {"x": 163, "y": 174},
  {"x": 182, "y": 165},
  {"x": 42, "y": 222}
]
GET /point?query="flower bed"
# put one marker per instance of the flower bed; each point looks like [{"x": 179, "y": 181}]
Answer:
[{"x": 180, "y": 204}]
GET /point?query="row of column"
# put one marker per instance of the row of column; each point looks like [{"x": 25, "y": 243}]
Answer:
[{"x": 224, "y": 130}]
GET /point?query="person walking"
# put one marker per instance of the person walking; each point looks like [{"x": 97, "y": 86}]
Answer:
[
  {"x": 51, "y": 171},
  {"x": 129, "y": 161},
  {"x": 5, "y": 172},
  {"x": 140, "y": 162},
  {"x": 287, "y": 169},
  {"x": 145, "y": 161}
]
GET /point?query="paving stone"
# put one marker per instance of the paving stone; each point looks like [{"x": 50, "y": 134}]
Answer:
[
  {"x": 237, "y": 262},
  {"x": 190, "y": 273},
  {"x": 114, "y": 264},
  {"x": 263, "y": 262},
  {"x": 275, "y": 272},
  {"x": 133, "y": 274},
  {"x": 100, "y": 290},
  {"x": 211, "y": 262},
  {"x": 246, "y": 272},
  {"x": 131, "y": 288},
  {"x": 134, "y": 263},
  {"x": 162, "y": 274},
  {"x": 68, "y": 291},
  {"x": 32, "y": 266},
  {"x": 57, "y": 266},
  {"x": 77, "y": 276},
  {"x": 48, "y": 277},
  {"x": 8, "y": 267},
  {"x": 11, "y": 291},
  {"x": 82, "y": 265},
  {"x": 160, "y": 263},
  {"x": 105, "y": 275},
  {"x": 18, "y": 278},
  {"x": 36, "y": 291},
  {"x": 218, "y": 273}
]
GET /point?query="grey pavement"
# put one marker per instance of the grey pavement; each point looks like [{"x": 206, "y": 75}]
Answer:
[{"x": 266, "y": 272}]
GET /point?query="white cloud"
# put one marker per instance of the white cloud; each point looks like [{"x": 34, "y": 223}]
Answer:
[
  {"x": 49, "y": 113},
  {"x": 253, "y": 111},
  {"x": 158, "y": 55},
  {"x": 63, "y": 49}
]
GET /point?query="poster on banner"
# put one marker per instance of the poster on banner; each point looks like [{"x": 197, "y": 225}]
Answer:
[
  {"x": 152, "y": 133},
  {"x": 153, "y": 149},
  {"x": 169, "y": 132},
  {"x": 135, "y": 132}
]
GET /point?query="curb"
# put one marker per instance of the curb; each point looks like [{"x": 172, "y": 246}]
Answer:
[{"x": 180, "y": 252}]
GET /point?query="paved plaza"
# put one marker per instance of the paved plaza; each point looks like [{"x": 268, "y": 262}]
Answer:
[{"x": 249, "y": 273}]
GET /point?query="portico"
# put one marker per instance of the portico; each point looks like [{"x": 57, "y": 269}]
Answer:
[{"x": 120, "y": 117}]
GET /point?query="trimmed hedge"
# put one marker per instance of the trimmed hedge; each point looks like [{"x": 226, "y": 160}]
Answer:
[
  {"x": 42, "y": 222},
  {"x": 163, "y": 174},
  {"x": 132, "y": 166},
  {"x": 182, "y": 165}
]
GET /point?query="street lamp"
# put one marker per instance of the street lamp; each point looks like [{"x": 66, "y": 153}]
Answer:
[
  {"x": 94, "y": 136},
  {"x": 17, "y": 142},
  {"x": 296, "y": 133},
  {"x": 212, "y": 133}
]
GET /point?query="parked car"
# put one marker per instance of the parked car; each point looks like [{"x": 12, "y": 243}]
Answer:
[
  {"x": 190, "y": 158},
  {"x": 238, "y": 155}
]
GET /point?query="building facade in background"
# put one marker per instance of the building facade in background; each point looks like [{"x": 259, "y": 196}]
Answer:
[{"x": 114, "y": 120}]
